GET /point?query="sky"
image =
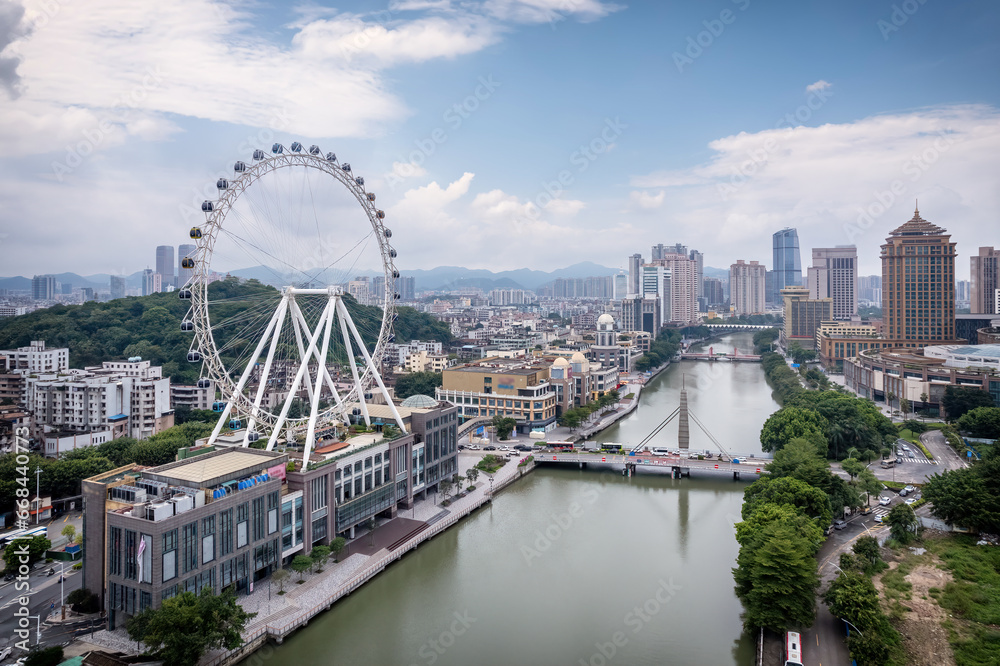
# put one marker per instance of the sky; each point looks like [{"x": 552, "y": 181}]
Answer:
[{"x": 505, "y": 134}]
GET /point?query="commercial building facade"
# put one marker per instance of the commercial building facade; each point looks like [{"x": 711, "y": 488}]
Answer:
[
  {"x": 787, "y": 264},
  {"x": 747, "y": 287},
  {"x": 803, "y": 315},
  {"x": 834, "y": 275},
  {"x": 518, "y": 388},
  {"x": 984, "y": 290}
]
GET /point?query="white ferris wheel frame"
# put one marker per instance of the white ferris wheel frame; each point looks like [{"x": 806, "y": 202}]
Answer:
[{"x": 308, "y": 339}]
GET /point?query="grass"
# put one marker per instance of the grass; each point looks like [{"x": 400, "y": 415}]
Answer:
[
  {"x": 973, "y": 596},
  {"x": 913, "y": 438}
]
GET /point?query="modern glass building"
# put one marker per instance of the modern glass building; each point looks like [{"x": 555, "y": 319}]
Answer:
[{"x": 787, "y": 261}]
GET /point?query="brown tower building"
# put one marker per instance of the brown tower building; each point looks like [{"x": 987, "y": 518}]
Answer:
[
  {"x": 918, "y": 283},
  {"x": 985, "y": 281}
]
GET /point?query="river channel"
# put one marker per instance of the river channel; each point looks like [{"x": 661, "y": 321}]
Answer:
[{"x": 574, "y": 566}]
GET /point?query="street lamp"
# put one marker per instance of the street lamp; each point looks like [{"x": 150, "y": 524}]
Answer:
[
  {"x": 38, "y": 494},
  {"x": 855, "y": 628},
  {"x": 38, "y": 627}
]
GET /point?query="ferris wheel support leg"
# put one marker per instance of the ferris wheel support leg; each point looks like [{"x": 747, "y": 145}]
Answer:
[
  {"x": 299, "y": 328},
  {"x": 243, "y": 378},
  {"x": 314, "y": 408},
  {"x": 266, "y": 372},
  {"x": 297, "y": 314},
  {"x": 295, "y": 385},
  {"x": 341, "y": 309},
  {"x": 375, "y": 372}
]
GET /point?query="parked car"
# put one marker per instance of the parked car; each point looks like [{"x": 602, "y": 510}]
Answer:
[
  {"x": 522, "y": 447},
  {"x": 865, "y": 511},
  {"x": 884, "y": 501},
  {"x": 909, "y": 488},
  {"x": 828, "y": 530},
  {"x": 461, "y": 447},
  {"x": 910, "y": 500},
  {"x": 8, "y": 578},
  {"x": 839, "y": 524},
  {"x": 489, "y": 447},
  {"x": 902, "y": 493},
  {"x": 878, "y": 519}
]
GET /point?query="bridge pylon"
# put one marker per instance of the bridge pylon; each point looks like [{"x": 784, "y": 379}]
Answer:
[{"x": 683, "y": 429}]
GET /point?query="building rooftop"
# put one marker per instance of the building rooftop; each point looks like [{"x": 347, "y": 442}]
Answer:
[
  {"x": 205, "y": 469},
  {"x": 981, "y": 351},
  {"x": 917, "y": 226}
]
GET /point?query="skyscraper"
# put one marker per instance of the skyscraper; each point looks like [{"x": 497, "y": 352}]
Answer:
[
  {"x": 699, "y": 260},
  {"x": 746, "y": 287},
  {"x": 151, "y": 282},
  {"x": 682, "y": 273},
  {"x": 834, "y": 274},
  {"x": 43, "y": 287},
  {"x": 634, "y": 274},
  {"x": 184, "y": 274},
  {"x": 165, "y": 264},
  {"x": 918, "y": 283},
  {"x": 985, "y": 281},
  {"x": 621, "y": 286},
  {"x": 714, "y": 293},
  {"x": 787, "y": 261},
  {"x": 656, "y": 283},
  {"x": 118, "y": 286},
  {"x": 870, "y": 288}
]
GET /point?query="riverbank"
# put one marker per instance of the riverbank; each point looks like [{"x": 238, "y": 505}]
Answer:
[{"x": 279, "y": 615}]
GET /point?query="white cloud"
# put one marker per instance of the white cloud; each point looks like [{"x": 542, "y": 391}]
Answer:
[
  {"x": 564, "y": 207},
  {"x": 542, "y": 11},
  {"x": 818, "y": 86},
  {"x": 842, "y": 184},
  {"x": 647, "y": 200},
  {"x": 404, "y": 170}
]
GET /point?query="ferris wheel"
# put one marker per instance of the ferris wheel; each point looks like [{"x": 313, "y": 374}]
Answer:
[{"x": 292, "y": 295}]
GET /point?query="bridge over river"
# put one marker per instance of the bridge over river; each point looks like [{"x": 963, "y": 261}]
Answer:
[{"x": 631, "y": 463}]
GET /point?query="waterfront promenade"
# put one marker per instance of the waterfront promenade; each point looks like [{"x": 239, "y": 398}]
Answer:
[{"x": 280, "y": 615}]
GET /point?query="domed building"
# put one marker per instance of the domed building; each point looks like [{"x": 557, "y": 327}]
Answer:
[
  {"x": 420, "y": 401},
  {"x": 606, "y": 349}
]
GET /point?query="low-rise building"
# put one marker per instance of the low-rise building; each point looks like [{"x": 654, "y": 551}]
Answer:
[
  {"x": 35, "y": 358},
  {"x": 516, "y": 387},
  {"x": 192, "y": 397},
  {"x": 921, "y": 376}
]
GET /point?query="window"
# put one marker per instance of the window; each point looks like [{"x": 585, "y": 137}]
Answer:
[
  {"x": 259, "y": 519},
  {"x": 226, "y": 537},
  {"x": 273, "y": 500},
  {"x": 242, "y": 524},
  {"x": 208, "y": 539},
  {"x": 169, "y": 555},
  {"x": 318, "y": 488},
  {"x": 115, "y": 551},
  {"x": 189, "y": 547}
]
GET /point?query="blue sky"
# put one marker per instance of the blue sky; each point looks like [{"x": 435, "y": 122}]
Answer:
[{"x": 656, "y": 138}]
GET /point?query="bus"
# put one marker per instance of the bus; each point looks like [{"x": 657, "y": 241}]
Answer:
[
  {"x": 559, "y": 446},
  {"x": 793, "y": 649},
  {"x": 22, "y": 534}
]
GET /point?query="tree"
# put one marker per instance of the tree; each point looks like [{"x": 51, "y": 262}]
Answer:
[
  {"x": 69, "y": 532},
  {"x": 44, "y": 656},
  {"x": 33, "y": 548},
  {"x": 472, "y": 474},
  {"x": 783, "y": 581},
  {"x": 445, "y": 487},
  {"x": 810, "y": 501},
  {"x": 300, "y": 565},
  {"x": 791, "y": 423},
  {"x": 981, "y": 422},
  {"x": 904, "y": 406},
  {"x": 417, "y": 383},
  {"x": 968, "y": 497},
  {"x": 958, "y": 400},
  {"x": 902, "y": 523},
  {"x": 866, "y": 548},
  {"x": 320, "y": 555},
  {"x": 336, "y": 546},
  {"x": 853, "y": 597},
  {"x": 186, "y": 626},
  {"x": 869, "y": 484},
  {"x": 853, "y": 467},
  {"x": 279, "y": 577},
  {"x": 504, "y": 426},
  {"x": 571, "y": 418}
]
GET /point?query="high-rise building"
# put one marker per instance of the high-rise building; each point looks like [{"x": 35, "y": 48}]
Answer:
[
  {"x": 834, "y": 274},
  {"x": 918, "y": 283},
  {"x": 621, "y": 286},
  {"x": 641, "y": 314},
  {"x": 184, "y": 275},
  {"x": 43, "y": 287},
  {"x": 804, "y": 314},
  {"x": 118, "y": 286},
  {"x": 699, "y": 261},
  {"x": 746, "y": 287},
  {"x": 656, "y": 283},
  {"x": 361, "y": 291},
  {"x": 714, "y": 294},
  {"x": 635, "y": 274},
  {"x": 985, "y": 281},
  {"x": 151, "y": 282},
  {"x": 787, "y": 261},
  {"x": 683, "y": 293},
  {"x": 165, "y": 264},
  {"x": 870, "y": 288}
]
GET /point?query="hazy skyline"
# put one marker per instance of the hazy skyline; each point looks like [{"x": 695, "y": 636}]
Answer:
[{"x": 506, "y": 133}]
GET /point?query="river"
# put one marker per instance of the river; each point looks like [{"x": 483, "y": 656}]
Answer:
[{"x": 574, "y": 566}]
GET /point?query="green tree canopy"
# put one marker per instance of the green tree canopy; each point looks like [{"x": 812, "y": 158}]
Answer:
[
  {"x": 185, "y": 627},
  {"x": 981, "y": 422},
  {"x": 791, "y": 423},
  {"x": 968, "y": 497},
  {"x": 902, "y": 523},
  {"x": 504, "y": 426},
  {"x": 807, "y": 499},
  {"x": 958, "y": 400},
  {"x": 417, "y": 383},
  {"x": 782, "y": 580},
  {"x": 12, "y": 552}
]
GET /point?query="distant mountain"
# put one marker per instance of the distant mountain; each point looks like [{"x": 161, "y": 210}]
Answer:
[
  {"x": 721, "y": 273},
  {"x": 456, "y": 277},
  {"x": 22, "y": 283}
]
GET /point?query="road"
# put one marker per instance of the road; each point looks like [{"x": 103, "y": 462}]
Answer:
[
  {"x": 44, "y": 595},
  {"x": 946, "y": 456}
]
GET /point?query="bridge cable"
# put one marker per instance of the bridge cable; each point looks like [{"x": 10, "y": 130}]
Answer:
[
  {"x": 710, "y": 435},
  {"x": 638, "y": 447}
]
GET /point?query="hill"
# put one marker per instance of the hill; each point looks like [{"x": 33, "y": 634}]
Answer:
[
  {"x": 149, "y": 326},
  {"x": 456, "y": 277}
]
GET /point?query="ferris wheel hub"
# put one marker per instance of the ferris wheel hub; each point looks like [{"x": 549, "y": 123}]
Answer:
[{"x": 332, "y": 290}]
